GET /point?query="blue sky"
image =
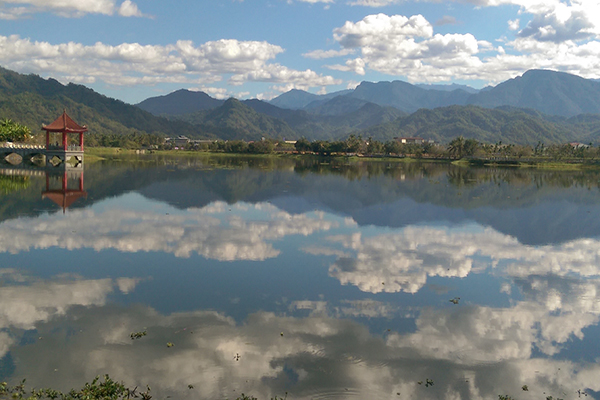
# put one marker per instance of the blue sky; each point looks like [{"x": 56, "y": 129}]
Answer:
[{"x": 135, "y": 49}]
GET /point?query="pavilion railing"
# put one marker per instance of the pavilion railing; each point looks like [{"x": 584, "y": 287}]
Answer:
[{"x": 71, "y": 147}]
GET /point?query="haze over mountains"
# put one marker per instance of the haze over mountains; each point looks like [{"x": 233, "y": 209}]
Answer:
[{"x": 546, "y": 106}]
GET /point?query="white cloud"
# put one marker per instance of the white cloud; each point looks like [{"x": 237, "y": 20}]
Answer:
[
  {"x": 455, "y": 348},
  {"x": 129, "y": 9},
  {"x": 280, "y": 74},
  {"x": 33, "y": 301},
  {"x": 197, "y": 231},
  {"x": 131, "y": 64},
  {"x": 560, "y": 36},
  {"x": 380, "y": 30},
  {"x": 321, "y": 54},
  {"x": 67, "y": 8},
  {"x": 404, "y": 261}
]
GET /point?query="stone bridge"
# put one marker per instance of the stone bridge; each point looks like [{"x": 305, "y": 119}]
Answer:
[
  {"x": 16, "y": 154},
  {"x": 22, "y": 150}
]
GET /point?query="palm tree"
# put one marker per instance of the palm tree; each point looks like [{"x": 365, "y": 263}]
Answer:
[{"x": 457, "y": 147}]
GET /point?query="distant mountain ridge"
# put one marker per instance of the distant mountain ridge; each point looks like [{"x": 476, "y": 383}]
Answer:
[
  {"x": 553, "y": 93},
  {"x": 179, "y": 102},
  {"x": 545, "y": 106},
  {"x": 33, "y": 101},
  {"x": 550, "y": 92},
  {"x": 534, "y": 107}
]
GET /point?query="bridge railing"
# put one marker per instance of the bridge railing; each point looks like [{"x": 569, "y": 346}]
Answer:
[{"x": 10, "y": 145}]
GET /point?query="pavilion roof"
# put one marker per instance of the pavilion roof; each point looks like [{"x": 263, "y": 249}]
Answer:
[
  {"x": 64, "y": 199},
  {"x": 64, "y": 123}
]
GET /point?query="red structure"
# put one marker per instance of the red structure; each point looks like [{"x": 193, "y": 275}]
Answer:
[
  {"x": 65, "y": 125},
  {"x": 61, "y": 194}
]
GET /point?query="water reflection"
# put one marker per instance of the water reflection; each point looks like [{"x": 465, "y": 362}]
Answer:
[
  {"x": 467, "y": 352},
  {"x": 369, "y": 280},
  {"x": 60, "y": 192},
  {"x": 216, "y": 231}
]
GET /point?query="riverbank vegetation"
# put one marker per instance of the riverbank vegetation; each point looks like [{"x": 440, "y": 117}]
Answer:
[
  {"x": 98, "y": 389},
  {"x": 460, "y": 148}
]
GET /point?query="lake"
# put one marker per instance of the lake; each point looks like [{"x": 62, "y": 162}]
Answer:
[{"x": 311, "y": 279}]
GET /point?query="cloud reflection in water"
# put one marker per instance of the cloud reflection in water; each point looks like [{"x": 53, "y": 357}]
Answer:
[{"x": 213, "y": 231}]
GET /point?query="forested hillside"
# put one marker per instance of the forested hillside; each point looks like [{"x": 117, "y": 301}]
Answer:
[{"x": 33, "y": 101}]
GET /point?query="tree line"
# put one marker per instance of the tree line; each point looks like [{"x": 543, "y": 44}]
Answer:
[{"x": 457, "y": 148}]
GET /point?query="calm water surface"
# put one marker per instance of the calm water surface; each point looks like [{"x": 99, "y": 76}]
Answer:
[{"x": 319, "y": 280}]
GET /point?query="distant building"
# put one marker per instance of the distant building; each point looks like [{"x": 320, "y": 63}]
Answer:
[
  {"x": 577, "y": 145},
  {"x": 181, "y": 141},
  {"x": 406, "y": 140}
]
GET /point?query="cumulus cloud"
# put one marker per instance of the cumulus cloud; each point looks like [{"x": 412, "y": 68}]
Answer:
[
  {"x": 13, "y": 9},
  {"x": 220, "y": 357},
  {"x": 27, "y": 302},
  {"x": 560, "y": 36},
  {"x": 280, "y": 74},
  {"x": 135, "y": 64},
  {"x": 198, "y": 231},
  {"x": 404, "y": 261},
  {"x": 129, "y": 9},
  {"x": 399, "y": 45}
]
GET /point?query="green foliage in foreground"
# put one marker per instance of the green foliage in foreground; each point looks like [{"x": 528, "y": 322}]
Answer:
[
  {"x": 96, "y": 390},
  {"x": 11, "y": 131},
  {"x": 106, "y": 389}
]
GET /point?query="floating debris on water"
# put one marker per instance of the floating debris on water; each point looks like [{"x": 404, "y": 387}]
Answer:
[{"x": 138, "y": 335}]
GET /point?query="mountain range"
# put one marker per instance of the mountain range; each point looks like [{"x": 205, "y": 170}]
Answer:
[{"x": 540, "y": 105}]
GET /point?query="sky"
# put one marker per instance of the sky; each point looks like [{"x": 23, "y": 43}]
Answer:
[{"x": 135, "y": 49}]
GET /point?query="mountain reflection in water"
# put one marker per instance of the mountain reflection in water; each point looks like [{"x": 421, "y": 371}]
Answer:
[{"x": 269, "y": 277}]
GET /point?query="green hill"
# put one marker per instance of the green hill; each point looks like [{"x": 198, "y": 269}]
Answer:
[
  {"x": 33, "y": 101},
  {"x": 235, "y": 120},
  {"x": 486, "y": 125}
]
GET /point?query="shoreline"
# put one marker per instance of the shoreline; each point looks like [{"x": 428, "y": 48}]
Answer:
[{"x": 98, "y": 153}]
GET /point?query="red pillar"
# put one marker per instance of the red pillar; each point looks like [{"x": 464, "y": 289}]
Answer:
[
  {"x": 64, "y": 138},
  {"x": 65, "y": 182},
  {"x": 81, "y": 140},
  {"x": 47, "y": 140}
]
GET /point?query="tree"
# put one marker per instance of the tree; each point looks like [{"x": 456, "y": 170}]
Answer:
[
  {"x": 354, "y": 143},
  {"x": 374, "y": 146},
  {"x": 457, "y": 147},
  {"x": 261, "y": 147},
  {"x": 302, "y": 145},
  {"x": 11, "y": 131},
  {"x": 391, "y": 147},
  {"x": 470, "y": 147}
]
